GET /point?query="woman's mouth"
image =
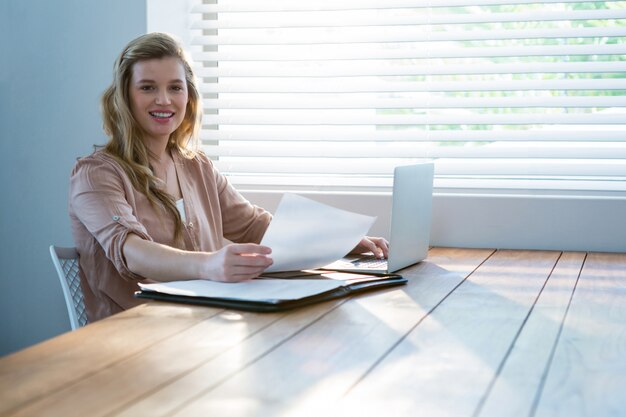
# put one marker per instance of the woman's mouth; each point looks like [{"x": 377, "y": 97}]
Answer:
[{"x": 161, "y": 114}]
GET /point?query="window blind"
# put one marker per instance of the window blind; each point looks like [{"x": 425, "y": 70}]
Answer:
[{"x": 331, "y": 95}]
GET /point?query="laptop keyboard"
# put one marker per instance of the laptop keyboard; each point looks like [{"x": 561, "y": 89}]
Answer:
[{"x": 370, "y": 261}]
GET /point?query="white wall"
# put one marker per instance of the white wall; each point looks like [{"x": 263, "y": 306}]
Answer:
[
  {"x": 500, "y": 222},
  {"x": 56, "y": 58}
]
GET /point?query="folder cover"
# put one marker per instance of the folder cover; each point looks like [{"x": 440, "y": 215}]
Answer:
[{"x": 274, "y": 292}]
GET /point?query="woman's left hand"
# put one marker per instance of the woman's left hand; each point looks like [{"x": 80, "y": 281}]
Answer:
[{"x": 377, "y": 245}]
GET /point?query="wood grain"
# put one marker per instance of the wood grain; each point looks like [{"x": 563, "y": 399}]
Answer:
[
  {"x": 515, "y": 387},
  {"x": 51, "y": 366},
  {"x": 210, "y": 373},
  {"x": 319, "y": 365},
  {"x": 474, "y": 333},
  {"x": 587, "y": 376},
  {"x": 136, "y": 373},
  {"x": 445, "y": 365}
]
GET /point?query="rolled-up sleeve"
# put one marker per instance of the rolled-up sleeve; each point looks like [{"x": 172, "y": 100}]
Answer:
[{"x": 99, "y": 198}]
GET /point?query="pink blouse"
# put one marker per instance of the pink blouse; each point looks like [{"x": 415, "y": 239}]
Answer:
[{"x": 104, "y": 207}]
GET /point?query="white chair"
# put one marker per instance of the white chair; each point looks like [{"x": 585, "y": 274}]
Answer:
[{"x": 66, "y": 263}]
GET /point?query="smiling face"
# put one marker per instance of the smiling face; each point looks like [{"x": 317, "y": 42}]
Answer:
[{"x": 158, "y": 97}]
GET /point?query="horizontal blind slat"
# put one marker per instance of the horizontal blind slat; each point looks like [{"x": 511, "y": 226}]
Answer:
[
  {"x": 414, "y": 150},
  {"x": 417, "y": 103},
  {"x": 356, "y": 86},
  {"x": 373, "y": 18},
  {"x": 408, "y": 34},
  {"x": 368, "y": 167},
  {"x": 354, "y": 52},
  {"x": 428, "y": 119},
  {"x": 597, "y": 186},
  {"x": 365, "y": 68},
  {"x": 287, "y": 5},
  {"x": 601, "y": 186},
  {"x": 323, "y": 134}
]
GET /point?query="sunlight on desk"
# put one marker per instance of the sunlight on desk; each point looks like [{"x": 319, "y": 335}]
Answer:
[{"x": 473, "y": 333}]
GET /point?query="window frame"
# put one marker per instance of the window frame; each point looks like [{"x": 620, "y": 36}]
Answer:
[{"x": 482, "y": 218}]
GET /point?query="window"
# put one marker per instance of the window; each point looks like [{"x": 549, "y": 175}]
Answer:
[{"x": 331, "y": 95}]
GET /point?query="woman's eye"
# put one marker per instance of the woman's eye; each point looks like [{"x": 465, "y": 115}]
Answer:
[
  {"x": 146, "y": 88},
  {"x": 177, "y": 88}
]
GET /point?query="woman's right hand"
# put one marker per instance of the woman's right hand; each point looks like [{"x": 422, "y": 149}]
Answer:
[
  {"x": 238, "y": 262},
  {"x": 157, "y": 262}
]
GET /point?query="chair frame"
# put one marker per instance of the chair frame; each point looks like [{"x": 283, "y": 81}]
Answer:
[{"x": 63, "y": 259}]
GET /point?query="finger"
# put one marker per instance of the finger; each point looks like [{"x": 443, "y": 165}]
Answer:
[
  {"x": 384, "y": 246},
  {"x": 249, "y": 248},
  {"x": 369, "y": 245},
  {"x": 381, "y": 247},
  {"x": 253, "y": 260}
]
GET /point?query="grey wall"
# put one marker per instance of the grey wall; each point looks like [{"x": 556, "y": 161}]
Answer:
[{"x": 55, "y": 60}]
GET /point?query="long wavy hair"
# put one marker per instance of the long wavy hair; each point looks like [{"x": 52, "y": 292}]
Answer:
[{"x": 125, "y": 134}]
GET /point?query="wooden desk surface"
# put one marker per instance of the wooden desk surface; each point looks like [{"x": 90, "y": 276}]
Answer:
[{"x": 474, "y": 333}]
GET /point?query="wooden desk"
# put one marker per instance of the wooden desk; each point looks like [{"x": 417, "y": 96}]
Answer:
[{"x": 474, "y": 333}]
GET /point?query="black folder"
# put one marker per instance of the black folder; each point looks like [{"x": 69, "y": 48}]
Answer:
[{"x": 352, "y": 284}]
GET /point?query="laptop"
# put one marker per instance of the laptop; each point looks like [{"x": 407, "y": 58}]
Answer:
[{"x": 411, "y": 212}]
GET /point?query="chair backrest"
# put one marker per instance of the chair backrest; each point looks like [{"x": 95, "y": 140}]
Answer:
[{"x": 65, "y": 261}]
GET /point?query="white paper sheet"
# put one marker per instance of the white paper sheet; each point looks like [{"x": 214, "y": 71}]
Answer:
[
  {"x": 254, "y": 290},
  {"x": 306, "y": 234}
]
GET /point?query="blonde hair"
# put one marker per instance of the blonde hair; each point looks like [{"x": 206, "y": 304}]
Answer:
[{"x": 125, "y": 135}]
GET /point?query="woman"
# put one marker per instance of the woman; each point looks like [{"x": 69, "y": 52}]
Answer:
[{"x": 150, "y": 204}]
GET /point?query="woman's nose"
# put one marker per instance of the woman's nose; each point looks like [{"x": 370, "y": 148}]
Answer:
[{"x": 163, "y": 98}]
